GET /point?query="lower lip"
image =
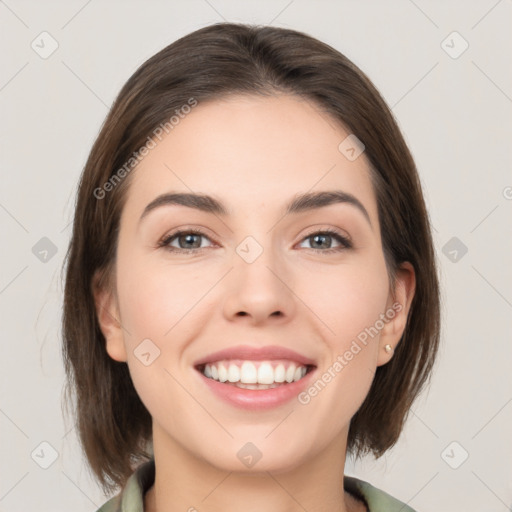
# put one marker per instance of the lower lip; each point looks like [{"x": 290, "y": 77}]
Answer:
[{"x": 257, "y": 399}]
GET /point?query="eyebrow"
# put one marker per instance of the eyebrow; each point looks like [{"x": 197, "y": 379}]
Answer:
[{"x": 300, "y": 203}]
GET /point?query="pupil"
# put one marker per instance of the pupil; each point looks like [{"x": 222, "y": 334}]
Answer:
[
  {"x": 189, "y": 238},
  {"x": 320, "y": 237}
]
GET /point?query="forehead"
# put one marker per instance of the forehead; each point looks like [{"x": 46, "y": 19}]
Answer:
[{"x": 252, "y": 150}]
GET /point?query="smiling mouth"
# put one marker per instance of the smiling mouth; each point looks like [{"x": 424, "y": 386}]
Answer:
[{"x": 256, "y": 375}]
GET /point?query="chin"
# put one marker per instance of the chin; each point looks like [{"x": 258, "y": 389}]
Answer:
[{"x": 255, "y": 456}]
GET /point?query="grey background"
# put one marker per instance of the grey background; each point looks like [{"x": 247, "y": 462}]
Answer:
[{"x": 456, "y": 116}]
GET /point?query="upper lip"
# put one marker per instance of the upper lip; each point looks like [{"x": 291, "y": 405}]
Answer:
[{"x": 249, "y": 353}]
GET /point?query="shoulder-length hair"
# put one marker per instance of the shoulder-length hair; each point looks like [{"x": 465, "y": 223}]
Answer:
[{"x": 213, "y": 62}]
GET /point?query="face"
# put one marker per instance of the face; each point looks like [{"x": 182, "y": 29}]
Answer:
[{"x": 249, "y": 291}]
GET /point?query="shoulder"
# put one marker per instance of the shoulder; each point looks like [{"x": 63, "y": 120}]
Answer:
[
  {"x": 112, "y": 505},
  {"x": 131, "y": 498},
  {"x": 377, "y": 500}
]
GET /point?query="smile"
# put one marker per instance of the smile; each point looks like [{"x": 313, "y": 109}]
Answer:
[
  {"x": 256, "y": 378},
  {"x": 255, "y": 374}
]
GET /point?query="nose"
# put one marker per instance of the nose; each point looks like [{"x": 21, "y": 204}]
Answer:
[{"x": 259, "y": 291}]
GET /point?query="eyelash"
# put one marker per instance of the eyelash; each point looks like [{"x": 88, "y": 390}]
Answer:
[{"x": 344, "y": 241}]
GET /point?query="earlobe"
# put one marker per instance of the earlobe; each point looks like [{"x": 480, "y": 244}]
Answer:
[
  {"x": 107, "y": 312},
  {"x": 397, "y": 313}
]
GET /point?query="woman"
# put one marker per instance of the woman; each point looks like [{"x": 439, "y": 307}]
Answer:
[{"x": 251, "y": 289}]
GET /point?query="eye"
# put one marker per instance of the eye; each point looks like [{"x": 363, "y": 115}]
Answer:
[
  {"x": 322, "y": 241},
  {"x": 186, "y": 240},
  {"x": 189, "y": 241}
]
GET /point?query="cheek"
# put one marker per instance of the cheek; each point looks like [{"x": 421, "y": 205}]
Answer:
[
  {"x": 152, "y": 301},
  {"x": 351, "y": 308},
  {"x": 347, "y": 300},
  {"x": 154, "y": 297}
]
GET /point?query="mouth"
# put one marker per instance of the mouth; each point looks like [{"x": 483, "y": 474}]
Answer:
[
  {"x": 255, "y": 375},
  {"x": 256, "y": 378}
]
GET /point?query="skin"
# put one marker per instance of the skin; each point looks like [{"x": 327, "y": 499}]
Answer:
[{"x": 254, "y": 154}]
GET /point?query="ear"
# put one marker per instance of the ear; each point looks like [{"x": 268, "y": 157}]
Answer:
[
  {"x": 397, "y": 311},
  {"x": 107, "y": 312}
]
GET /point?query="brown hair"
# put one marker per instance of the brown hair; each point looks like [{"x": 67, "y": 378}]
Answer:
[{"x": 215, "y": 61}]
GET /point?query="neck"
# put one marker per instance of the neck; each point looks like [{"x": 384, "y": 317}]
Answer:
[{"x": 186, "y": 483}]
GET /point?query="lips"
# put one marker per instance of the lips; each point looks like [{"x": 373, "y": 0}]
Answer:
[
  {"x": 248, "y": 353},
  {"x": 255, "y": 378}
]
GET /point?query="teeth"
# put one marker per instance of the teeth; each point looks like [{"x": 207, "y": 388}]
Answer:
[
  {"x": 290, "y": 373},
  {"x": 265, "y": 374},
  {"x": 223, "y": 373},
  {"x": 256, "y": 386},
  {"x": 279, "y": 373},
  {"x": 250, "y": 375},
  {"x": 233, "y": 373}
]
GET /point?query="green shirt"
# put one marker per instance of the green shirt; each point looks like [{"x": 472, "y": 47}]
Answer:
[{"x": 131, "y": 498}]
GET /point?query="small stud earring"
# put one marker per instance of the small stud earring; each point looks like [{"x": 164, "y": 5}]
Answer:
[{"x": 388, "y": 348}]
